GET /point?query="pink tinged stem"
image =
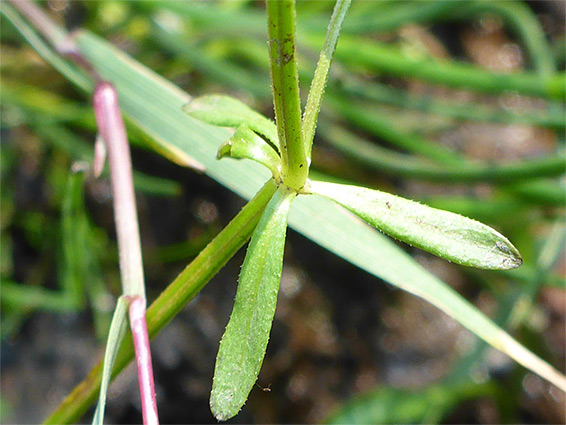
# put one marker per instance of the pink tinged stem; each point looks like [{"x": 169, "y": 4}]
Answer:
[
  {"x": 143, "y": 360},
  {"x": 113, "y": 132}
]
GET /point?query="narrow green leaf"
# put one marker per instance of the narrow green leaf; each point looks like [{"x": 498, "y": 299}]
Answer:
[
  {"x": 243, "y": 345},
  {"x": 448, "y": 235},
  {"x": 321, "y": 73},
  {"x": 226, "y": 111},
  {"x": 247, "y": 144},
  {"x": 115, "y": 337}
]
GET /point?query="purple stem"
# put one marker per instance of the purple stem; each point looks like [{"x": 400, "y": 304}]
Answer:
[
  {"x": 112, "y": 130},
  {"x": 143, "y": 360}
]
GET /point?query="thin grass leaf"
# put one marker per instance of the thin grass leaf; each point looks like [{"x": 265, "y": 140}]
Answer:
[
  {"x": 243, "y": 345},
  {"x": 321, "y": 73},
  {"x": 226, "y": 111},
  {"x": 450, "y": 236},
  {"x": 72, "y": 270},
  {"x": 115, "y": 337}
]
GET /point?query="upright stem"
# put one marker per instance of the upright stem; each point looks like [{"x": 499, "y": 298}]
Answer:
[
  {"x": 140, "y": 337},
  {"x": 112, "y": 130},
  {"x": 286, "y": 99}
]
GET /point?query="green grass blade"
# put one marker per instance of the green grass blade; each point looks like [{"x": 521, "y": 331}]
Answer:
[
  {"x": 388, "y": 59},
  {"x": 115, "y": 337},
  {"x": 450, "y": 236},
  {"x": 399, "y": 164},
  {"x": 320, "y": 78},
  {"x": 244, "y": 343}
]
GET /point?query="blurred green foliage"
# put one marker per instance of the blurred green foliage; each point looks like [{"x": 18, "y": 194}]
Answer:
[{"x": 393, "y": 116}]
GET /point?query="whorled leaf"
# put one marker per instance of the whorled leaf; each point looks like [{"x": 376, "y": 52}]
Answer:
[
  {"x": 226, "y": 111},
  {"x": 450, "y": 236},
  {"x": 247, "y": 144},
  {"x": 243, "y": 345}
]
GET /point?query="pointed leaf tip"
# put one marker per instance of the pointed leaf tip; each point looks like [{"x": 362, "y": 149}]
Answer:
[{"x": 450, "y": 236}]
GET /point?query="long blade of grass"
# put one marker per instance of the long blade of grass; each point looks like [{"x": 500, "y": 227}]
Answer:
[
  {"x": 321, "y": 73},
  {"x": 243, "y": 345},
  {"x": 115, "y": 336}
]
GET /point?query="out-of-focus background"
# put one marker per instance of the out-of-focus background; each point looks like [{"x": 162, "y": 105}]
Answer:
[{"x": 345, "y": 346}]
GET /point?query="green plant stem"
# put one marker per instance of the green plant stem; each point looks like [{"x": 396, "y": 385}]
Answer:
[
  {"x": 368, "y": 118},
  {"x": 237, "y": 77},
  {"x": 321, "y": 73},
  {"x": 540, "y": 191},
  {"x": 388, "y": 161},
  {"x": 391, "y": 60},
  {"x": 185, "y": 287},
  {"x": 461, "y": 111},
  {"x": 286, "y": 99}
]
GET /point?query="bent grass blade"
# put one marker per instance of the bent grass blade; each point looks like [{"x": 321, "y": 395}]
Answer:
[
  {"x": 115, "y": 337},
  {"x": 243, "y": 345}
]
